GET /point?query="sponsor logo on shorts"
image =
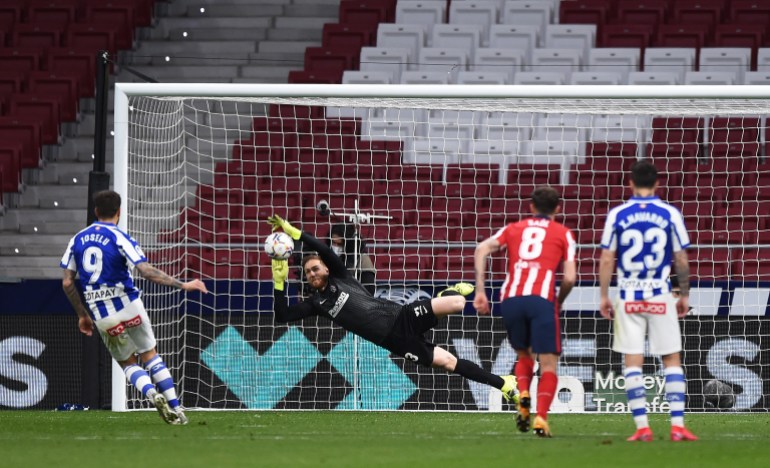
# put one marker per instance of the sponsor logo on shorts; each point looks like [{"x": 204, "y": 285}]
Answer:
[
  {"x": 121, "y": 327},
  {"x": 339, "y": 304},
  {"x": 644, "y": 307}
]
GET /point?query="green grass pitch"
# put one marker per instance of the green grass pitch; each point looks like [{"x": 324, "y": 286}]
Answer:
[{"x": 86, "y": 439}]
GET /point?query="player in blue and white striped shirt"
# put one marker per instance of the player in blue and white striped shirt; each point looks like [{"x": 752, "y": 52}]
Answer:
[
  {"x": 102, "y": 256},
  {"x": 646, "y": 234}
]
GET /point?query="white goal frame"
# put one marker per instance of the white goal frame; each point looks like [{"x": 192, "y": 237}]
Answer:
[{"x": 575, "y": 93}]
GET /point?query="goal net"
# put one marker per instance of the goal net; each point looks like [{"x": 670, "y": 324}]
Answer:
[{"x": 424, "y": 173}]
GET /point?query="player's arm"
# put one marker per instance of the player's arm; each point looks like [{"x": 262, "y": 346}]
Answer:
[
  {"x": 682, "y": 269},
  {"x": 283, "y": 312},
  {"x": 606, "y": 266},
  {"x": 332, "y": 261},
  {"x": 157, "y": 276},
  {"x": 85, "y": 323},
  {"x": 483, "y": 250},
  {"x": 568, "y": 282}
]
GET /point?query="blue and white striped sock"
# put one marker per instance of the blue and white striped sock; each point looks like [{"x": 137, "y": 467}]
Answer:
[
  {"x": 139, "y": 379},
  {"x": 675, "y": 390},
  {"x": 163, "y": 380},
  {"x": 637, "y": 397}
]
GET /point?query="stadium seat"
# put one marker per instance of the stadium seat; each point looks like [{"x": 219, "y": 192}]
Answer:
[
  {"x": 425, "y": 77},
  {"x": 318, "y": 76},
  {"x": 508, "y": 61},
  {"x": 408, "y": 36},
  {"x": 674, "y": 60},
  {"x": 653, "y": 78},
  {"x": 367, "y": 13},
  {"x": 525, "y": 37},
  {"x": 638, "y": 36},
  {"x": 563, "y": 61},
  {"x": 119, "y": 17},
  {"x": 39, "y": 35},
  {"x": 710, "y": 78},
  {"x": 427, "y": 12},
  {"x": 41, "y": 109},
  {"x": 684, "y": 34},
  {"x": 538, "y": 78},
  {"x": 321, "y": 59},
  {"x": 500, "y": 152},
  {"x": 366, "y": 77},
  {"x": 614, "y": 60},
  {"x": 74, "y": 62},
  {"x": 427, "y": 152},
  {"x": 439, "y": 59},
  {"x": 757, "y": 77},
  {"x": 631, "y": 128},
  {"x": 704, "y": 12},
  {"x": 385, "y": 59},
  {"x": 10, "y": 165},
  {"x": 457, "y": 36},
  {"x": 649, "y": 12},
  {"x": 749, "y": 11},
  {"x": 741, "y": 35},
  {"x": 90, "y": 36},
  {"x": 571, "y": 36},
  {"x": 511, "y": 126},
  {"x": 336, "y": 36},
  {"x": 753, "y": 265},
  {"x": 595, "y": 12},
  {"x": 25, "y": 133},
  {"x": 736, "y": 60},
  {"x": 478, "y": 12},
  {"x": 537, "y": 13},
  {"x": 475, "y": 77}
]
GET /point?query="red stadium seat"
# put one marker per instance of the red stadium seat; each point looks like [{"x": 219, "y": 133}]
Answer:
[
  {"x": 27, "y": 134},
  {"x": 20, "y": 59},
  {"x": 10, "y": 14},
  {"x": 91, "y": 37},
  {"x": 627, "y": 35},
  {"x": 12, "y": 82},
  {"x": 453, "y": 265},
  {"x": 315, "y": 76},
  {"x": 683, "y": 34},
  {"x": 368, "y": 13},
  {"x": 753, "y": 265},
  {"x": 74, "y": 62},
  {"x": 331, "y": 60},
  {"x": 649, "y": 12},
  {"x": 750, "y": 35},
  {"x": 346, "y": 35},
  {"x": 58, "y": 13},
  {"x": 223, "y": 264},
  {"x": 41, "y": 35},
  {"x": 63, "y": 88},
  {"x": 119, "y": 17},
  {"x": 698, "y": 11},
  {"x": 42, "y": 109},
  {"x": 10, "y": 162},
  {"x": 586, "y": 12},
  {"x": 749, "y": 11}
]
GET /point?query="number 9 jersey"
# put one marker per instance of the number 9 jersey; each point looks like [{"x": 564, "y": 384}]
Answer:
[
  {"x": 644, "y": 232},
  {"x": 102, "y": 254},
  {"x": 535, "y": 247}
]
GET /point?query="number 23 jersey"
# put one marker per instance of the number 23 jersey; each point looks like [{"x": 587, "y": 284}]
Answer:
[
  {"x": 535, "y": 247},
  {"x": 101, "y": 254}
]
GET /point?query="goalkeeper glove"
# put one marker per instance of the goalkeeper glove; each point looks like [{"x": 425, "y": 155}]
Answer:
[
  {"x": 280, "y": 273},
  {"x": 279, "y": 223}
]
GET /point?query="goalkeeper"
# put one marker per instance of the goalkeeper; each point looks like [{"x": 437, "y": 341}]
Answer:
[{"x": 338, "y": 296}]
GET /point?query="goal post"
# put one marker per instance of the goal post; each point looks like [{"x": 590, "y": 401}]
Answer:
[{"x": 200, "y": 166}]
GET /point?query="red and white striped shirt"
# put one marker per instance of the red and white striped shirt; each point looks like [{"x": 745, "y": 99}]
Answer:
[{"x": 535, "y": 246}]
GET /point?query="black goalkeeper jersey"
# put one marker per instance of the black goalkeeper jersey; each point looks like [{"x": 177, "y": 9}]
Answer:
[{"x": 345, "y": 301}]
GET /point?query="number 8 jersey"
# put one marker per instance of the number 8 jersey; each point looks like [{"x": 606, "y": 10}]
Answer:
[
  {"x": 535, "y": 247},
  {"x": 644, "y": 232},
  {"x": 101, "y": 254}
]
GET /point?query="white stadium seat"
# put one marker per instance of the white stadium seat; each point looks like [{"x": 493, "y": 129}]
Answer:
[
  {"x": 386, "y": 59},
  {"x": 489, "y": 78},
  {"x": 439, "y": 59},
  {"x": 515, "y": 36},
  {"x": 596, "y": 78},
  {"x": 365, "y": 77},
  {"x": 563, "y": 153},
  {"x": 501, "y": 152},
  {"x": 409, "y": 36},
  {"x": 675, "y": 59},
  {"x": 465, "y": 117},
  {"x": 763, "y": 59},
  {"x": 428, "y": 12},
  {"x": 613, "y": 127},
  {"x": 458, "y": 36},
  {"x": 571, "y": 36},
  {"x": 710, "y": 78},
  {"x": 543, "y": 78},
  {"x": 726, "y": 59},
  {"x": 425, "y": 77},
  {"x": 505, "y": 60},
  {"x": 424, "y": 151},
  {"x": 533, "y": 12},
  {"x": 757, "y": 78},
  {"x": 653, "y": 78},
  {"x": 563, "y": 61},
  {"x": 480, "y": 12},
  {"x": 619, "y": 60},
  {"x": 511, "y": 126}
]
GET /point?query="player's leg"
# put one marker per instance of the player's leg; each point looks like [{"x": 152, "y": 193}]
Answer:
[
  {"x": 519, "y": 335},
  {"x": 138, "y": 377},
  {"x": 451, "y": 300},
  {"x": 629, "y": 330},
  {"x": 666, "y": 340},
  {"x": 443, "y": 359},
  {"x": 545, "y": 330},
  {"x": 524, "y": 371}
]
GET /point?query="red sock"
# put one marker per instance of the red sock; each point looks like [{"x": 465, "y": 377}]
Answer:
[
  {"x": 524, "y": 369},
  {"x": 546, "y": 389}
]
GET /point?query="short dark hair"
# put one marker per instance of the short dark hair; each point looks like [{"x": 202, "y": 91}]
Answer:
[
  {"x": 106, "y": 203},
  {"x": 546, "y": 199},
  {"x": 308, "y": 257},
  {"x": 644, "y": 174}
]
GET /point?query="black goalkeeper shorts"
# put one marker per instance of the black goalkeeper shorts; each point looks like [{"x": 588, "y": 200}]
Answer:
[{"x": 406, "y": 338}]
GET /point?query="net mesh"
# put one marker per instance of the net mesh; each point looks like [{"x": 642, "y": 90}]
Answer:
[{"x": 205, "y": 173}]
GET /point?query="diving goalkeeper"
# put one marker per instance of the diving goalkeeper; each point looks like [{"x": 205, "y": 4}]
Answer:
[{"x": 338, "y": 296}]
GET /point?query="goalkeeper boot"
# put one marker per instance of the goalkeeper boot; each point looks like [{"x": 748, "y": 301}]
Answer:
[
  {"x": 642, "y": 435},
  {"x": 680, "y": 434},
  {"x": 165, "y": 411},
  {"x": 461, "y": 289},
  {"x": 540, "y": 427},
  {"x": 523, "y": 415},
  {"x": 510, "y": 392}
]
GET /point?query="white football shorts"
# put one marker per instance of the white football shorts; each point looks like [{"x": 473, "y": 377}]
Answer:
[
  {"x": 127, "y": 332},
  {"x": 655, "y": 318}
]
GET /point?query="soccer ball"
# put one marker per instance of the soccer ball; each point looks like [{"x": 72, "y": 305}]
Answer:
[
  {"x": 279, "y": 245},
  {"x": 718, "y": 395}
]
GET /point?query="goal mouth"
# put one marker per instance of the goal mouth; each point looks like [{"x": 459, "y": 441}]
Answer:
[{"x": 201, "y": 166}]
